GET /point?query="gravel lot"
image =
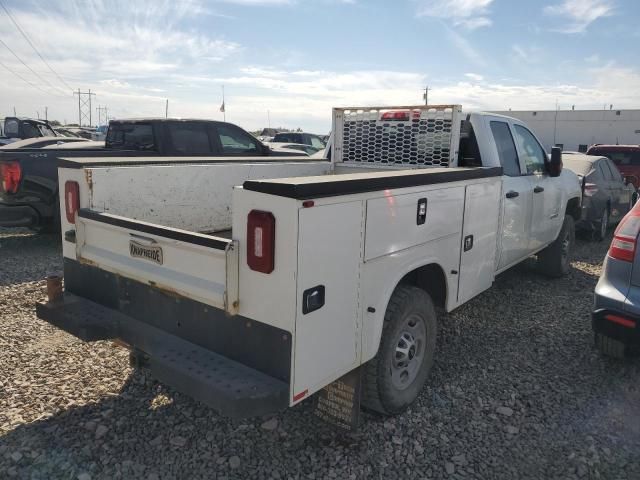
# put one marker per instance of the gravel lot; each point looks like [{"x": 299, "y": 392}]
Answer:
[{"x": 517, "y": 391}]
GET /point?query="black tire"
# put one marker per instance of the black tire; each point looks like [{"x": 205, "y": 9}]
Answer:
[
  {"x": 555, "y": 260},
  {"x": 603, "y": 224},
  {"x": 610, "y": 346},
  {"x": 410, "y": 315}
]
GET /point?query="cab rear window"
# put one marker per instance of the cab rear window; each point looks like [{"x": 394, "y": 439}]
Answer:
[{"x": 130, "y": 136}]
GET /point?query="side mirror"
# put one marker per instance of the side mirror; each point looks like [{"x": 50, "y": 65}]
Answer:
[{"x": 554, "y": 166}]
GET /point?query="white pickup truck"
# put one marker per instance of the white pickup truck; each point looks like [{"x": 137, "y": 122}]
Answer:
[{"x": 251, "y": 285}]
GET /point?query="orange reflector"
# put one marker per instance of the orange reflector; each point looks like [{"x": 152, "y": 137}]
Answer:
[
  {"x": 625, "y": 322},
  {"x": 300, "y": 395}
]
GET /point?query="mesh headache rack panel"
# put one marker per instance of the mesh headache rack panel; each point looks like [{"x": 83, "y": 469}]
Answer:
[{"x": 417, "y": 136}]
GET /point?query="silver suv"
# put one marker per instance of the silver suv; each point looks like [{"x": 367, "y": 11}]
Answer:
[{"x": 616, "y": 311}]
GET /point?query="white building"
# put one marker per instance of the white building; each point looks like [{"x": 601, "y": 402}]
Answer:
[{"x": 578, "y": 129}]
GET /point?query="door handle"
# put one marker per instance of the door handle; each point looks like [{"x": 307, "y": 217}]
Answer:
[
  {"x": 512, "y": 194},
  {"x": 538, "y": 189}
]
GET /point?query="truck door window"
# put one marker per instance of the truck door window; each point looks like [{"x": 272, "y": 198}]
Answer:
[
  {"x": 534, "y": 155},
  {"x": 235, "y": 141},
  {"x": 189, "y": 139},
  {"x": 506, "y": 149},
  {"x": 130, "y": 136}
]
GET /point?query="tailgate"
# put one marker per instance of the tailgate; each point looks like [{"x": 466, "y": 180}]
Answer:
[{"x": 200, "y": 267}]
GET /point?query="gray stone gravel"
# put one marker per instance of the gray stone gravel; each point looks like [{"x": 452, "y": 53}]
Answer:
[{"x": 517, "y": 391}]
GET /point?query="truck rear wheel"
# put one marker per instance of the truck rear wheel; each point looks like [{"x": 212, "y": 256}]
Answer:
[
  {"x": 555, "y": 260},
  {"x": 393, "y": 379},
  {"x": 610, "y": 346}
]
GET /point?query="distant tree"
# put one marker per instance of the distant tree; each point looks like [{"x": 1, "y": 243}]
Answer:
[{"x": 55, "y": 123}]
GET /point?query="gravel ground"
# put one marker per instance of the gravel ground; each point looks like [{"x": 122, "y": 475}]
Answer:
[{"x": 517, "y": 391}]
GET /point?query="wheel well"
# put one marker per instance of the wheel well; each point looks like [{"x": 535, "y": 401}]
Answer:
[
  {"x": 573, "y": 208},
  {"x": 431, "y": 279}
]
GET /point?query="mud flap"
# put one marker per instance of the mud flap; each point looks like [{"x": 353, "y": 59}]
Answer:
[{"x": 339, "y": 402}]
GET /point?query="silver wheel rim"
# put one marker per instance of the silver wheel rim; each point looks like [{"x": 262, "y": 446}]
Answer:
[
  {"x": 603, "y": 224},
  {"x": 408, "y": 354}
]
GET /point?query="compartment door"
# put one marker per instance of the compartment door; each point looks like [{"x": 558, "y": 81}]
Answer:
[
  {"x": 479, "y": 240},
  {"x": 327, "y": 339}
]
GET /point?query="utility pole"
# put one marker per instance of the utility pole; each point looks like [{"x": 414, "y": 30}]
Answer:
[
  {"x": 425, "y": 95},
  {"x": 268, "y": 119},
  {"x": 84, "y": 106},
  {"x": 14, "y": 112},
  {"x": 555, "y": 124},
  {"x": 106, "y": 115},
  {"x": 46, "y": 114},
  {"x": 166, "y": 109},
  {"x": 223, "y": 107}
]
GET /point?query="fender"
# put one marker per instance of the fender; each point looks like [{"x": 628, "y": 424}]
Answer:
[{"x": 373, "y": 321}]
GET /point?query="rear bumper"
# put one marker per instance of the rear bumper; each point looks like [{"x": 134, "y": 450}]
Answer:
[
  {"x": 620, "y": 325},
  {"x": 231, "y": 388},
  {"x": 18, "y": 215}
]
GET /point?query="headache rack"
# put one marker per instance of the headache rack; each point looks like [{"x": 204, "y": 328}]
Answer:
[{"x": 408, "y": 136}]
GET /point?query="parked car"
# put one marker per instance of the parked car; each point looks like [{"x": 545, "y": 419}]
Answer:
[
  {"x": 66, "y": 132},
  {"x": 616, "y": 311},
  {"x": 625, "y": 157},
  {"x": 300, "y": 138},
  {"x": 324, "y": 270},
  {"x": 606, "y": 195},
  {"x": 29, "y": 192},
  {"x": 100, "y": 133},
  {"x": 280, "y": 146},
  {"x": 40, "y": 142}
]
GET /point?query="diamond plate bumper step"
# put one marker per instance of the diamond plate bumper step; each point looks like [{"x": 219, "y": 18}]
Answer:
[{"x": 227, "y": 386}]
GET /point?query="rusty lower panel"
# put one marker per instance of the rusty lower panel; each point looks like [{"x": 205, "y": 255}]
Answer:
[{"x": 252, "y": 343}]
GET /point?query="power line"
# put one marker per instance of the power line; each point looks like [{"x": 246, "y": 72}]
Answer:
[
  {"x": 25, "y": 80},
  {"x": 26, "y": 37},
  {"x": 31, "y": 69}
]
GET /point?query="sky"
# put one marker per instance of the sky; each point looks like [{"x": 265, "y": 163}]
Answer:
[{"x": 288, "y": 62}]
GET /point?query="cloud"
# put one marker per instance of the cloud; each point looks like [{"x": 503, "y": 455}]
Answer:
[
  {"x": 470, "y": 14},
  {"x": 529, "y": 55},
  {"x": 474, "y": 76},
  {"x": 580, "y": 13},
  {"x": 254, "y": 3},
  {"x": 137, "y": 41}
]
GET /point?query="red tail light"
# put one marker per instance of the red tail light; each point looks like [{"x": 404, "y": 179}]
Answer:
[
  {"x": 623, "y": 246},
  {"x": 11, "y": 174},
  {"x": 261, "y": 241},
  {"x": 71, "y": 200},
  {"x": 590, "y": 189}
]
